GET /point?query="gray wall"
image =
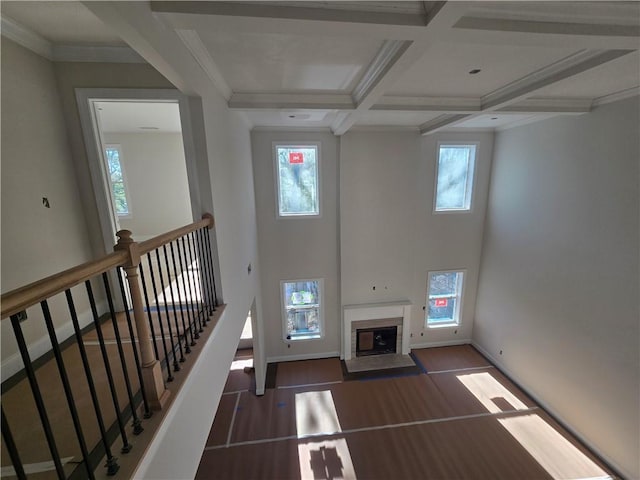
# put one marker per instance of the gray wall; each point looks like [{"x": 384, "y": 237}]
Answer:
[
  {"x": 297, "y": 248},
  {"x": 36, "y": 162},
  {"x": 558, "y": 291},
  {"x": 390, "y": 237},
  {"x": 156, "y": 178}
]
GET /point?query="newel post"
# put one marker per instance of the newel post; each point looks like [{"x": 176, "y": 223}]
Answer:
[{"x": 151, "y": 368}]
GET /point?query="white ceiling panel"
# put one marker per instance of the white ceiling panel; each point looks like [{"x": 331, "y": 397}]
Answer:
[
  {"x": 444, "y": 69},
  {"x": 139, "y": 117},
  {"x": 291, "y": 118},
  {"x": 615, "y": 76},
  {"x": 281, "y": 62},
  {"x": 396, "y": 119},
  {"x": 500, "y": 120},
  {"x": 63, "y": 23}
]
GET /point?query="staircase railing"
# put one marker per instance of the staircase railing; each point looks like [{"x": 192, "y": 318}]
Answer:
[{"x": 134, "y": 315}]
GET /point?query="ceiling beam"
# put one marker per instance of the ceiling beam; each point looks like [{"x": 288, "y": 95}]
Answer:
[
  {"x": 519, "y": 90},
  {"x": 274, "y": 101},
  {"x": 188, "y": 16},
  {"x": 440, "y": 21},
  {"x": 492, "y": 31},
  {"x": 268, "y": 10},
  {"x": 26, "y": 37}
]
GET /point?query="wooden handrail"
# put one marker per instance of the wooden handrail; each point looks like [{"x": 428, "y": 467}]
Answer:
[
  {"x": 22, "y": 298},
  {"x": 156, "y": 242}
]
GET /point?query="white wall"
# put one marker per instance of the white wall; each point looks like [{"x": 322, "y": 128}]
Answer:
[
  {"x": 297, "y": 248},
  {"x": 156, "y": 178},
  {"x": 36, "y": 162},
  {"x": 390, "y": 237},
  {"x": 559, "y": 285}
]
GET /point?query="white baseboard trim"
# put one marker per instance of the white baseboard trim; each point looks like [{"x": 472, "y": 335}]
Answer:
[
  {"x": 13, "y": 364},
  {"x": 500, "y": 366},
  {"x": 446, "y": 343},
  {"x": 304, "y": 356}
]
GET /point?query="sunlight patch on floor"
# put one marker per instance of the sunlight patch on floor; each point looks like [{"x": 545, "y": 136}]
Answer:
[
  {"x": 330, "y": 460},
  {"x": 490, "y": 392},
  {"x": 316, "y": 414},
  {"x": 560, "y": 458},
  {"x": 240, "y": 364}
]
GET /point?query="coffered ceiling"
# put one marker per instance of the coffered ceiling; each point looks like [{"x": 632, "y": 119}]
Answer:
[{"x": 344, "y": 65}]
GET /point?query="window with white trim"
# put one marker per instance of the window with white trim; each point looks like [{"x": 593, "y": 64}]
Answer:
[
  {"x": 454, "y": 178},
  {"x": 302, "y": 309},
  {"x": 444, "y": 298},
  {"x": 298, "y": 180},
  {"x": 116, "y": 181}
]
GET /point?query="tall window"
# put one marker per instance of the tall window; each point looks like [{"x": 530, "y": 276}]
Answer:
[
  {"x": 297, "y": 176},
  {"x": 116, "y": 180},
  {"x": 454, "y": 185},
  {"x": 302, "y": 309},
  {"x": 444, "y": 298}
]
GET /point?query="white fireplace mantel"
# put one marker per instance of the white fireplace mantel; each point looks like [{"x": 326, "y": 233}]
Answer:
[{"x": 375, "y": 311}]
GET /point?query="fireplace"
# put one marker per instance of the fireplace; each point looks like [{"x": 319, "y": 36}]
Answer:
[
  {"x": 376, "y": 317},
  {"x": 376, "y": 341}
]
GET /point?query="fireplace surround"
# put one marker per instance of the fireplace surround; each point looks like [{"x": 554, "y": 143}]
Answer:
[{"x": 373, "y": 316}]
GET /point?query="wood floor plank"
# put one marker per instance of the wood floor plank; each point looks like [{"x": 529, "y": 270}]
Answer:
[
  {"x": 306, "y": 372},
  {"x": 222, "y": 421},
  {"x": 450, "y": 358}
]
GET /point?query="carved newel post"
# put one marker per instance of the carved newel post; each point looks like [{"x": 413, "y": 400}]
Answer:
[{"x": 151, "y": 370}]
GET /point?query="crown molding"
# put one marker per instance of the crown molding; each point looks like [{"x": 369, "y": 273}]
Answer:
[
  {"x": 306, "y": 101},
  {"x": 25, "y": 37},
  {"x": 96, "y": 53},
  {"x": 614, "y": 97}
]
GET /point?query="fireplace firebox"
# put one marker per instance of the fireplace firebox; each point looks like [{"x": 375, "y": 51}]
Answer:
[{"x": 376, "y": 341}]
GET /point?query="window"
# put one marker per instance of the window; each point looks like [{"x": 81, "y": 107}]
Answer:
[
  {"x": 297, "y": 177},
  {"x": 116, "y": 180},
  {"x": 454, "y": 177},
  {"x": 302, "y": 309},
  {"x": 444, "y": 298}
]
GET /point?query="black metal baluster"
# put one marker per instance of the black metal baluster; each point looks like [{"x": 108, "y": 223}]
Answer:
[
  {"x": 112, "y": 464},
  {"x": 192, "y": 289},
  {"x": 137, "y": 425},
  {"x": 148, "y": 306},
  {"x": 187, "y": 348},
  {"x": 126, "y": 446},
  {"x": 37, "y": 396},
  {"x": 147, "y": 410},
  {"x": 213, "y": 275},
  {"x": 11, "y": 448},
  {"x": 192, "y": 321},
  {"x": 66, "y": 387},
  {"x": 176, "y": 365},
  {"x": 204, "y": 280},
  {"x": 173, "y": 302},
  {"x": 155, "y": 295},
  {"x": 207, "y": 260}
]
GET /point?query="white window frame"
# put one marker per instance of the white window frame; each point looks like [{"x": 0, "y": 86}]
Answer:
[
  {"x": 118, "y": 147},
  {"x": 470, "y": 178},
  {"x": 457, "y": 320},
  {"x": 283, "y": 305},
  {"x": 276, "y": 171}
]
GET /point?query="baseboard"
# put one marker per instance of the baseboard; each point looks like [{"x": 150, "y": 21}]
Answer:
[
  {"x": 447, "y": 343},
  {"x": 557, "y": 417},
  {"x": 13, "y": 364},
  {"x": 304, "y": 356}
]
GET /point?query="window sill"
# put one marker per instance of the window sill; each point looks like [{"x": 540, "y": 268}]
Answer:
[{"x": 444, "y": 325}]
